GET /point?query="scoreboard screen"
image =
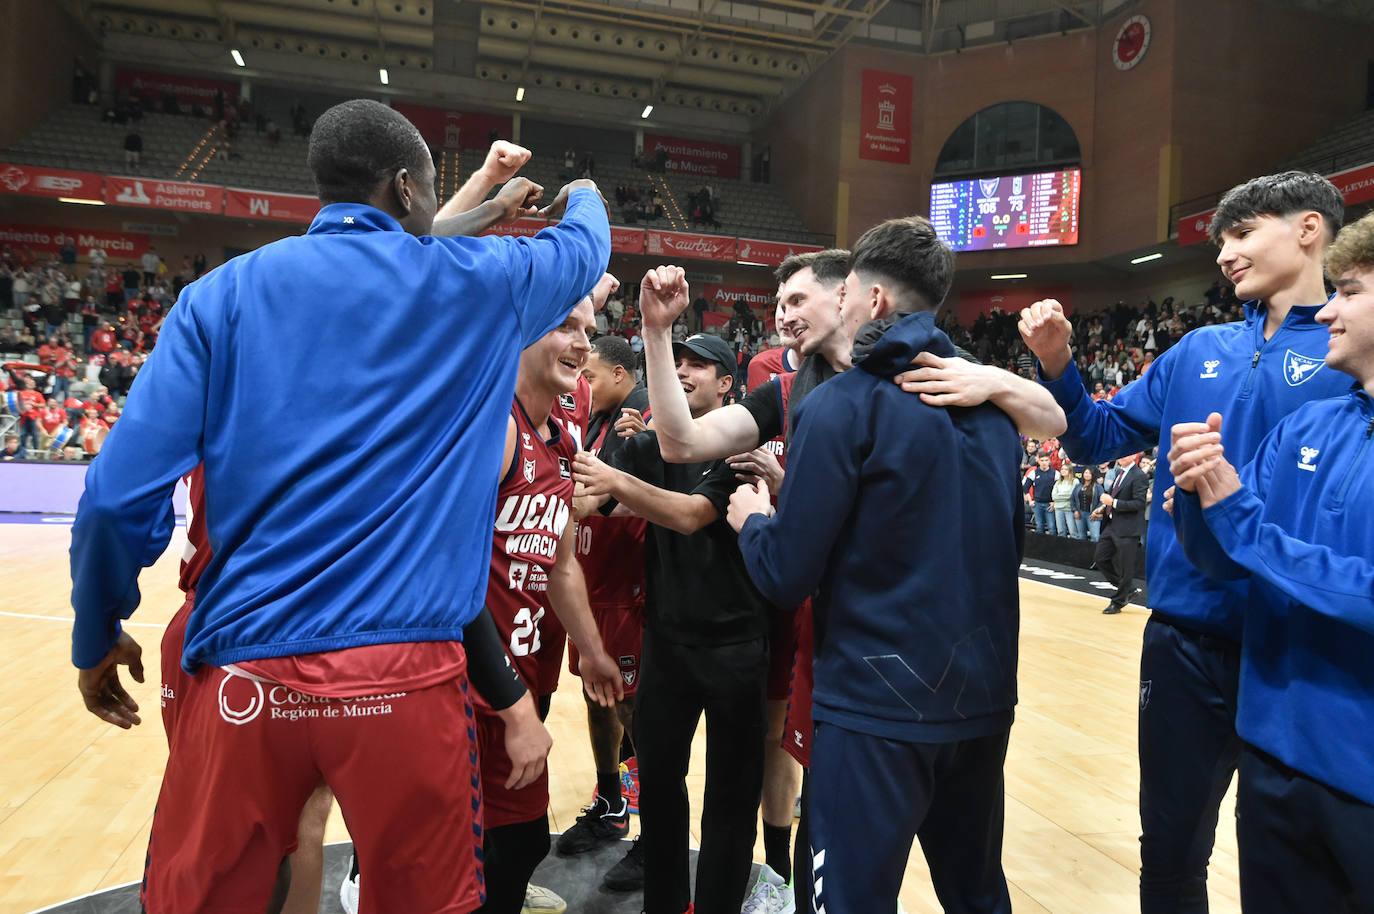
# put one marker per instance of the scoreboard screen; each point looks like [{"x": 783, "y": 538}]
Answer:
[{"x": 1021, "y": 211}]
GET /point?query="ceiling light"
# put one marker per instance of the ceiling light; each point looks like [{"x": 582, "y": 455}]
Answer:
[
  {"x": 81, "y": 200},
  {"x": 520, "y": 93},
  {"x": 238, "y": 58},
  {"x": 648, "y": 110},
  {"x": 1008, "y": 276},
  {"x": 1148, "y": 257},
  {"x": 385, "y": 77}
]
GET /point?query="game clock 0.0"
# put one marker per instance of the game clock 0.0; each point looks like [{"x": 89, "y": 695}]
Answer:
[{"x": 1013, "y": 211}]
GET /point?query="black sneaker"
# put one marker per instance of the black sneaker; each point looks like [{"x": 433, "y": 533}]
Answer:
[
  {"x": 596, "y": 826},
  {"x": 628, "y": 874}
]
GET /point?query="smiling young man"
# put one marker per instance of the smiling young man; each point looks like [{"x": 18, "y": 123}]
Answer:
[
  {"x": 705, "y": 645},
  {"x": 1272, "y": 232},
  {"x": 534, "y": 572},
  {"x": 1295, "y": 528},
  {"x": 915, "y": 661}
]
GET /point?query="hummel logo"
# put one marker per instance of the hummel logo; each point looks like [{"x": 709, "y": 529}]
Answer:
[
  {"x": 1308, "y": 455},
  {"x": 1209, "y": 368},
  {"x": 526, "y": 437},
  {"x": 348, "y": 220}
]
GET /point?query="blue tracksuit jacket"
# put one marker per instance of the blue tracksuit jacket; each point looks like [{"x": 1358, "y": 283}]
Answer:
[
  {"x": 1301, "y": 534},
  {"x": 1228, "y": 368},
  {"x": 906, "y": 521},
  {"x": 348, "y": 392}
]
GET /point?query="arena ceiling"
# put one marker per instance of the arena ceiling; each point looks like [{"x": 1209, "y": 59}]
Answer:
[{"x": 709, "y": 64}]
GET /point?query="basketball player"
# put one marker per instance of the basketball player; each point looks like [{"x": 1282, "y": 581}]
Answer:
[
  {"x": 534, "y": 571},
  {"x": 324, "y": 583},
  {"x": 781, "y": 359},
  {"x": 1272, "y": 232},
  {"x": 1295, "y": 528},
  {"x": 611, "y": 550},
  {"x": 705, "y": 649}
]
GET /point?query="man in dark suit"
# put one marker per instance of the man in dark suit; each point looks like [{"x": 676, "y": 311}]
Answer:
[{"x": 1123, "y": 522}]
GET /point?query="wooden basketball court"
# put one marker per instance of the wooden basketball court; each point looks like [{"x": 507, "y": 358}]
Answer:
[{"x": 77, "y": 795}]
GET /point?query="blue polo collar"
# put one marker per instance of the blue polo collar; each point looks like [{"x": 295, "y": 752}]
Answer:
[{"x": 346, "y": 218}]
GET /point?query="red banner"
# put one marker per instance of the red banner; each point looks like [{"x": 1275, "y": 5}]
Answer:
[
  {"x": 188, "y": 90},
  {"x": 694, "y": 157},
  {"x": 885, "y": 124},
  {"x": 973, "y": 302},
  {"x": 455, "y": 129},
  {"x": 49, "y": 239},
  {"x": 35, "y": 181},
  {"x": 714, "y": 319},
  {"x": 1193, "y": 229},
  {"x": 691, "y": 247},
  {"x": 627, "y": 240},
  {"x": 723, "y": 298},
  {"x": 261, "y": 204},
  {"x": 1355, "y": 184},
  {"x": 770, "y": 253},
  {"x": 174, "y": 195}
]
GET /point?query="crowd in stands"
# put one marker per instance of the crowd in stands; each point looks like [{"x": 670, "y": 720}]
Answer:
[{"x": 59, "y": 394}]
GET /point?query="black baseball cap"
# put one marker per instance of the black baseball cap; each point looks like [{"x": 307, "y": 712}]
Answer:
[{"x": 711, "y": 348}]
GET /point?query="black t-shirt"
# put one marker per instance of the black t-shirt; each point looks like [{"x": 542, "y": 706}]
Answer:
[
  {"x": 697, "y": 589},
  {"x": 637, "y": 398},
  {"x": 765, "y": 405}
]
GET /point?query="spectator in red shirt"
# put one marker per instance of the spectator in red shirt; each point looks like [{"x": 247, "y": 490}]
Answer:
[
  {"x": 103, "y": 340},
  {"x": 114, "y": 292},
  {"x": 91, "y": 431},
  {"x": 51, "y": 420},
  {"x": 28, "y": 425},
  {"x": 30, "y": 396}
]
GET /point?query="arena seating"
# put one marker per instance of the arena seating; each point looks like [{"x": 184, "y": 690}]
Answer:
[{"x": 1352, "y": 143}]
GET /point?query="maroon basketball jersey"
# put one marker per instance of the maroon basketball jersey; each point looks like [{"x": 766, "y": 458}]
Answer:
[
  {"x": 533, "y": 505},
  {"x": 611, "y": 551},
  {"x": 198, "y": 552},
  {"x": 573, "y": 411}
]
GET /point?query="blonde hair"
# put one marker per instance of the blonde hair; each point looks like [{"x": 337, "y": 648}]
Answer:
[{"x": 1353, "y": 248}]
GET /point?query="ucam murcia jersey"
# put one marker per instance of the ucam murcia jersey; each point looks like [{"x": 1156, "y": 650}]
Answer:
[
  {"x": 573, "y": 411},
  {"x": 611, "y": 550},
  {"x": 533, "y": 506}
]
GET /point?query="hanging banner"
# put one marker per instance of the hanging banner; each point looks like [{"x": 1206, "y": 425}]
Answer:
[
  {"x": 1355, "y": 184},
  {"x": 723, "y": 298},
  {"x": 173, "y": 195},
  {"x": 187, "y": 90},
  {"x": 261, "y": 204},
  {"x": 885, "y": 120},
  {"x": 694, "y": 157},
  {"x": 36, "y": 181},
  {"x": 455, "y": 129},
  {"x": 627, "y": 240},
  {"x": 1193, "y": 229},
  {"x": 696, "y": 247},
  {"x": 770, "y": 253},
  {"x": 49, "y": 239}
]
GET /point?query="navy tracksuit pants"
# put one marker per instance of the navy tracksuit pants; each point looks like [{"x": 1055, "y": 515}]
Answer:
[
  {"x": 1188, "y": 753},
  {"x": 1303, "y": 846},
  {"x": 873, "y": 796}
]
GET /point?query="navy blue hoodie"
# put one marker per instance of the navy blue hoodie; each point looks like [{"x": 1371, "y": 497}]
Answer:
[{"x": 905, "y": 522}]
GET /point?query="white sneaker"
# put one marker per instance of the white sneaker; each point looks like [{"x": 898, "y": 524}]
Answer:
[
  {"x": 770, "y": 895},
  {"x": 348, "y": 892},
  {"x": 539, "y": 900}
]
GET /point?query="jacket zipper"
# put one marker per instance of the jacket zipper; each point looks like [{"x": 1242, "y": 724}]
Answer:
[{"x": 1354, "y": 467}]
